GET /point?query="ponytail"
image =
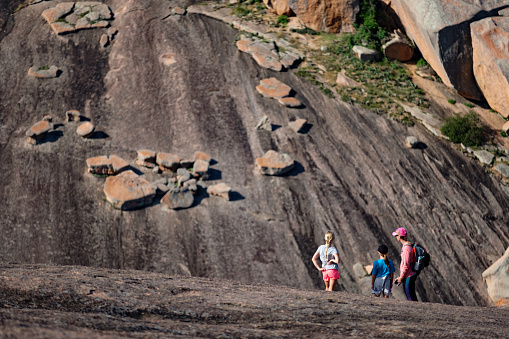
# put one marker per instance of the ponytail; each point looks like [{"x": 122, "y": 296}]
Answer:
[
  {"x": 329, "y": 237},
  {"x": 386, "y": 260}
]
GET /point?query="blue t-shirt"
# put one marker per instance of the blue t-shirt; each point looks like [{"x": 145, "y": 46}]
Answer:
[
  {"x": 330, "y": 256},
  {"x": 380, "y": 269}
]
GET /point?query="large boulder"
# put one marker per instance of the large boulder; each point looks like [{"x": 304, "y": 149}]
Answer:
[
  {"x": 264, "y": 53},
  {"x": 38, "y": 131},
  {"x": 178, "y": 198},
  {"x": 497, "y": 280},
  {"x": 490, "y": 43},
  {"x": 274, "y": 163},
  {"x": 281, "y": 7},
  {"x": 332, "y": 16},
  {"x": 398, "y": 48},
  {"x": 273, "y": 88},
  {"x": 441, "y": 30},
  {"x": 128, "y": 191},
  {"x": 104, "y": 165}
]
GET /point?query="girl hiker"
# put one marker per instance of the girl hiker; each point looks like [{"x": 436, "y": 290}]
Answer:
[
  {"x": 406, "y": 274},
  {"x": 328, "y": 255},
  {"x": 382, "y": 274}
]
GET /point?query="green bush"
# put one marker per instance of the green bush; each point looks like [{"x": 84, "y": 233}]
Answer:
[
  {"x": 469, "y": 105},
  {"x": 466, "y": 129},
  {"x": 451, "y": 101},
  {"x": 240, "y": 11},
  {"x": 421, "y": 62},
  {"x": 369, "y": 32},
  {"x": 282, "y": 19},
  {"x": 504, "y": 134}
]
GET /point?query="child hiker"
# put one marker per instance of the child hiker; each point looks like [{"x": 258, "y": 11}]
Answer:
[
  {"x": 328, "y": 255},
  {"x": 382, "y": 274}
]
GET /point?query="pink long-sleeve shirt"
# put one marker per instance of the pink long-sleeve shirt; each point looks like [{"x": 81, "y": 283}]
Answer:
[{"x": 407, "y": 259}]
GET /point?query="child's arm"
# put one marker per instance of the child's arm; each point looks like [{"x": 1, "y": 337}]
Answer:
[
  {"x": 315, "y": 261},
  {"x": 392, "y": 279},
  {"x": 373, "y": 278},
  {"x": 335, "y": 260}
]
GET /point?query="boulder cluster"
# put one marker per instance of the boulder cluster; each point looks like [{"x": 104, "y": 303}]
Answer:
[
  {"x": 126, "y": 190},
  {"x": 267, "y": 54}
]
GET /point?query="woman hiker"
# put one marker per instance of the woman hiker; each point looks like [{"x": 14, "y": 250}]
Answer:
[
  {"x": 406, "y": 275},
  {"x": 328, "y": 255}
]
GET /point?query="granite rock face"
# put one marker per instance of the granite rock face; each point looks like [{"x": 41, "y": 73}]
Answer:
[
  {"x": 274, "y": 163},
  {"x": 67, "y": 17},
  {"x": 490, "y": 46},
  {"x": 441, "y": 30},
  {"x": 331, "y": 16},
  {"x": 497, "y": 279},
  {"x": 280, "y": 7}
]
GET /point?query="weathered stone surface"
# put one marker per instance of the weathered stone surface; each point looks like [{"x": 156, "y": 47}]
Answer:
[
  {"x": 128, "y": 191},
  {"x": 490, "y": 45},
  {"x": 62, "y": 27},
  {"x": 199, "y": 155},
  {"x": 497, "y": 280},
  {"x": 183, "y": 175},
  {"x": 53, "y": 14},
  {"x": 191, "y": 185},
  {"x": 290, "y": 102},
  {"x": 425, "y": 72},
  {"x": 101, "y": 24},
  {"x": 118, "y": 164},
  {"x": 505, "y": 127},
  {"x": 86, "y": 129},
  {"x": 222, "y": 190},
  {"x": 100, "y": 165},
  {"x": 411, "y": 142},
  {"x": 398, "y": 48},
  {"x": 441, "y": 30},
  {"x": 146, "y": 158},
  {"x": 264, "y": 124},
  {"x": 73, "y": 115},
  {"x": 297, "y": 125},
  {"x": 187, "y": 163},
  {"x": 503, "y": 169},
  {"x": 37, "y": 72},
  {"x": 39, "y": 129},
  {"x": 288, "y": 59},
  {"x": 264, "y": 53},
  {"x": 179, "y": 198},
  {"x": 105, "y": 40},
  {"x": 366, "y": 54},
  {"x": 93, "y": 10},
  {"x": 504, "y": 12},
  {"x": 332, "y": 16},
  {"x": 47, "y": 117},
  {"x": 273, "y": 88},
  {"x": 280, "y": 7},
  {"x": 274, "y": 163},
  {"x": 343, "y": 80},
  {"x": 484, "y": 157},
  {"x": 201, "y": 168},
  {"x": 178, "y": 11}
]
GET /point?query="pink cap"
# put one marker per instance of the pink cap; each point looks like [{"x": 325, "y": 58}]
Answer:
[{"x": 400, "y": 231}]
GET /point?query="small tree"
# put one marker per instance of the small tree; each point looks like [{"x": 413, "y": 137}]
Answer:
[{"x": 466, "y": 129}]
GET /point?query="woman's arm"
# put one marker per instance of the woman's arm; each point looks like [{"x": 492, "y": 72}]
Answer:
[
  {"x": 406, "y": 262},
  {"x": 315, "y": 261}
]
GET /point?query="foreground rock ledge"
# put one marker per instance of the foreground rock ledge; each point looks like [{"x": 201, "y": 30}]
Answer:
[{"x": 85, "y": 302}]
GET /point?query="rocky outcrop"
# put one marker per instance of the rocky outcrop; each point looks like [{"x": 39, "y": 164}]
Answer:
[
  {"x": 104, "y": 165},
  {"x": 273, "y": 88},
  {"x": 222, "y": 190},
  {"x": 490, "y": 43},
  {"x": 127, "y": 191},
  {"x": 200, "y": 168},
  {"x": 484, "y": 156},
  {"x": 178, "y": 198},
  {"x": 331, "y": 16},
  {"x": 38, "y": 131},
  {"x": 44, "y": 72},
  {"x": 290, "y": 102},
  {"x": 274, "y": 163},
  {"x": 67, "y": 17},
  {"x": 398, "y": 48},
  {"x": 86, "y": 129},
  {"x": 264, "y": 124},
  {"x": 503, "y": 169},
  {"x": 266, "y": 53},
  {"x": 280, "y": 7},
  {"x": 497, "y": 280},
  {"x": 441, "y": 30},
  {"x": 72, "y": 115},
  {"x": 146, "y": 158},
  {"x": 366, "y": 54},
  {"x": 298, "y": 125},
  {"x": 167, "y": 161},
  {"x": 411, "y": 142}
]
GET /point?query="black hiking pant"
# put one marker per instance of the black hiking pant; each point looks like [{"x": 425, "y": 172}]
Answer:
[{"x": 409, "y": 286}]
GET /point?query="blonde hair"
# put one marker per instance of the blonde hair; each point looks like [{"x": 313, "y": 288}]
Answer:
[{"x": 329, "y": 238}]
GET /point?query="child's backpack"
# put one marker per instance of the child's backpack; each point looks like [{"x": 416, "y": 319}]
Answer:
[{"x": 422, "y": 258}]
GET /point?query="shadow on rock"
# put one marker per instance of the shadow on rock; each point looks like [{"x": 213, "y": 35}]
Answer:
[
  {"x": 236, "y": 196},
  {"x": 214, "y": 174},
  {"x": 306, "y": 128},
  {"x": 296, "y": 170},
  {"x": 52, "y": 136},
  {"x": 99, "y": 135}
]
